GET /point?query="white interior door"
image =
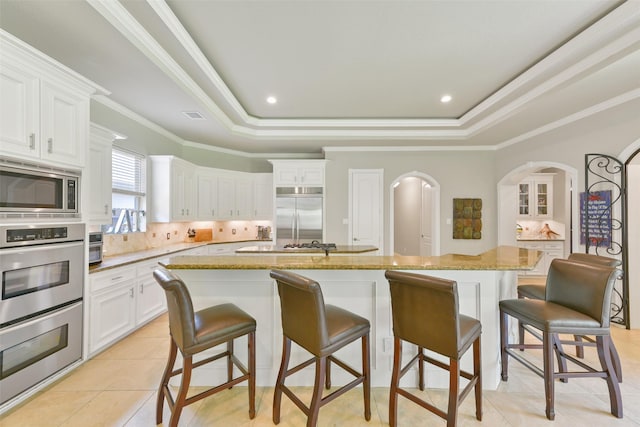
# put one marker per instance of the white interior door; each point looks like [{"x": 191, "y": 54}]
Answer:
[
  {"x": 365, "y": 207},
  {"x": 426, "y": 223}
]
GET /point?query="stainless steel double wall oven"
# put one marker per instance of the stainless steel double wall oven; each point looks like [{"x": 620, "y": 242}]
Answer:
[{"x": 42, "y": 273}]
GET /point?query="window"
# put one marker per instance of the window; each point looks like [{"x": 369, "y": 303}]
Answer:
[{"x": 128, "y": 199}]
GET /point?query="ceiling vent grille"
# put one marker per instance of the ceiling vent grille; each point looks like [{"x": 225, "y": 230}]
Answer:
[{"x": 193, "y": 115}]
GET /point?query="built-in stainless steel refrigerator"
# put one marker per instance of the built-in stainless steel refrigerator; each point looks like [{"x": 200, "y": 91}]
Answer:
[{"x": 298, "y": 215}]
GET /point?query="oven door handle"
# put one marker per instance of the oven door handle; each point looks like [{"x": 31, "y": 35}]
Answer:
[{"x": 40, "y": 248}]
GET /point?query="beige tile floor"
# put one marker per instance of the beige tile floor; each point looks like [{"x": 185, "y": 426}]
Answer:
[{"x": 118, "y": 388}]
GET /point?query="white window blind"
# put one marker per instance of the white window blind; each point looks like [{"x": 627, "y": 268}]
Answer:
[{"x": 128, "y": 172}]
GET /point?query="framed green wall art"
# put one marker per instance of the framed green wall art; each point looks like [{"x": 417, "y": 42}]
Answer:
[{"x": 467, "y": 218}]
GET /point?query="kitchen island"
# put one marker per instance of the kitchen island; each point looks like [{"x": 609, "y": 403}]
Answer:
[{"x": 356, "y": 283}]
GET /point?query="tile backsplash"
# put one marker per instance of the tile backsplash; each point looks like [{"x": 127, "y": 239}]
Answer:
[{"x": 165, "y": 234}]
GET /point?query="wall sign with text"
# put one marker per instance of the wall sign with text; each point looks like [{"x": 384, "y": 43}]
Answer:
[{"x": 596, "y": 212}]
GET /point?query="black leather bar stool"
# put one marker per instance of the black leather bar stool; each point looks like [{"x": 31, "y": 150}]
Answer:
[
  {"x": 193, "y": 332},
  {"x": 536, "y": 291},
  {"x": 578, "y": 302},
  {"x": 425, "y": 313},
  {"x": 321, "y": 330}
]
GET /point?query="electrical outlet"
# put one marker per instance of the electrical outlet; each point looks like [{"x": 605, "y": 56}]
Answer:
[
  {"x": 168, "y": 236},
  {"x": 233, "y": 231}
]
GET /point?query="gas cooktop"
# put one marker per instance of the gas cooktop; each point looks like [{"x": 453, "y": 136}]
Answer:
[{"x": 312, "y": 245}]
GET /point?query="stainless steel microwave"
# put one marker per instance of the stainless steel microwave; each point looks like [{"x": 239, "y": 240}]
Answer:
[{"x": 36, "y": 190}]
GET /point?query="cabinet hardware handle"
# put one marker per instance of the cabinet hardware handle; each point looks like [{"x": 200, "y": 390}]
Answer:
[
  {"x": 50, "y": 145},
  {"x": 116, "y": 278},
  {"x": 106, "y": 209},
  {"x": 182, "y": 212},
  {"x": 355, "y": 239},
  {"x": 32, "y": 141},
  {"x": 213, "y": 212},
  {"x": 187, "y": 211},
  {"x": 238, "y": 212},
  {"x": 131, "y": 292},
  {"x": 142, "y": 289},
  {"x": 230, "y": 212}
]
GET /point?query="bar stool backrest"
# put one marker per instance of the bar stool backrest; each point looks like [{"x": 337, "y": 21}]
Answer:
[
  {"x": 425, "y": 311},
  {"x": 595, "y": 259},
  {"x": 179, "y": 306},
  {"x": 302, "y": 310},
  {"x": 582, "y": 287}
]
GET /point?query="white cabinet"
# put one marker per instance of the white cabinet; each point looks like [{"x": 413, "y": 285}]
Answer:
[
  {"x": 550, "y": 249},
  {"x": 535, "y": 197},
  {"x": 111, "y": 306},
  {"x": 173, "y": 189},
  {"x": 44, "y": 111},
  {"x": 99, "y": 176},
  {"x": 263, "y": 196},
  {"x": 120, "y": 301},
  {"x": 224, "y": 195},
  {"x": 289, "y": 173},
  {"x": 150, "y": 298},
  {"x": 207, "y": 194}
]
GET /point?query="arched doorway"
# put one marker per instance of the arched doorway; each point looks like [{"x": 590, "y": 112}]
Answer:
[
  {"x": 565, "y": 199},
  {"x": 414, "y": 203},
  {"x": 631, "y": 157}
]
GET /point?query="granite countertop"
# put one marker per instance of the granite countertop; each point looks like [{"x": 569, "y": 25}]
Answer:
[
  {"x": 121, "y": 260},
  {"x": 538, "y": 239},
  {"x": 340, "y": 249},
  {"x": 500, "y": 258}
]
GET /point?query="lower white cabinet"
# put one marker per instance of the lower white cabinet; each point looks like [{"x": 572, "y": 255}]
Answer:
[
  {"x": 551, "y": 250},
  {"x": 120, "y": 301}
]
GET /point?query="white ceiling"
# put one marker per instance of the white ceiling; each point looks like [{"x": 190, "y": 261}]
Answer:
[{"x": 347, "y": 73}]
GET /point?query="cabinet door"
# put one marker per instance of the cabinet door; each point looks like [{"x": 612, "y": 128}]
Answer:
[
  {"x": 207, "y": 202},
  {"x": 226, "y": 197},
  {"x": 64, "y": 119},
  {"x": 243, "y": 197},
  {"x": 263, "y": 196},
  {"x": 543, "y": 198},
  {"x": 150, "y": 300},
  {"x": 284, "y": 176},
  {"x": 19, "y": 112},
  {"x": 524, "y": 198},
  {"x": 182, "y": 191},
  {"x": 112, "y": 315},
  {"x": 99, "y": 169},
  {"x": 311, "y": 175}
]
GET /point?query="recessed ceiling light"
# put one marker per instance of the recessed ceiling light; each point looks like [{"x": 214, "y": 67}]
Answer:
[
  {"x": 445, "y": 99},
  {"x": 194, "y": 115},
  {"x": 272, "y": 99}
]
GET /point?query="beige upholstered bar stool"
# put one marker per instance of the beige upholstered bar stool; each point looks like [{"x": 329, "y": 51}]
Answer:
[
  {"x": 425, "y": 313},
  {"x": 321, "y": 330},
  {"x": 536, "y": 291},
  {"x": 578, "y": 302},
  {"x": 194, "y": 332}
]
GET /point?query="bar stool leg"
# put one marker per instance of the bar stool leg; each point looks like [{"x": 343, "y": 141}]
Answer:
[
  {"x": 547, "y": 350},
  {"x": 327, "y": 381},
  {"x": 182, "y": 392},
  {"x": 562, "y": 363},
  {"x": 395, "y": 380},
  {"x": 454, "y": 392},
  {"x": 504, "y": 340},
  {"x": 230, "y": 361},
  {"x": 603, "y": 345},
  {"x": 421, "y": 368},
  {"x": 252, "y": 374},
  {"x": 615, "y": 360},
  {"x": 316, "y": 400},
  {"x": 366, "y": 372},
  {"x": 477, "y": 372},
  {"x": 277, "y": 392},
  {"x": 173, "y": 351}
]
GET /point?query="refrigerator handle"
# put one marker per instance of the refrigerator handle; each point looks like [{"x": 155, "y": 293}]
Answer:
[
  {"x": 293, "y": 228},
  {"x": 297, "y": 226}
]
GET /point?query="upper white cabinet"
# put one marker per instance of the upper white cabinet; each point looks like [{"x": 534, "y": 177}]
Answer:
[
  {"x": 263, "y": 196},
  {"x": 173, "y": 189},
  {"x": 99, "y": 175},
  {"x": 44, "y": 107},
  {"x": 535, "y": 196},
  {"x": 229, "y": 195},
  {"x": 289, "y": 173},
  {"x": 207, "y": 194}
]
